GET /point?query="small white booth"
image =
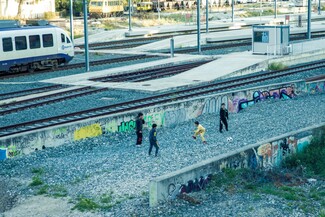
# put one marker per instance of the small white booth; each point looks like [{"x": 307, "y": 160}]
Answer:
[{"x": 273, "y": 39}]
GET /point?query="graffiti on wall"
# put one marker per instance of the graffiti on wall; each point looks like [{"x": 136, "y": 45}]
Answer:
[
  {"x": 316, "y": 87},
  {"x": 179, "y": 186},
  {"x": 89, "y": 131},
  {"x": 272, "y": 154},
  {"x": 8, "y": 152},
  {"x": 243, "y": 100},
  {"x": 213, "y": 105}
]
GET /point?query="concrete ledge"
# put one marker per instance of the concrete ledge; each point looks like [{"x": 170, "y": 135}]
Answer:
[{"x": 266, "y": 153}]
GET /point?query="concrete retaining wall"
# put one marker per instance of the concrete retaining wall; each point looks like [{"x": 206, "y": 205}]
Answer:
[
  {"x": 263, "y": 154},
  {"x": 166, "y": 115}
]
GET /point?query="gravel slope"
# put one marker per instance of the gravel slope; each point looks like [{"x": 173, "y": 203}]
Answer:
[{"x": 97, "y": 166}]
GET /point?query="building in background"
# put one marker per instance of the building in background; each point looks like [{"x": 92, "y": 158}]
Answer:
[{"x": 29, "y": 9}]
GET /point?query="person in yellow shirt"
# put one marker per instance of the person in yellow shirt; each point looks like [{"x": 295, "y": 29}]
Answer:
[{"x": 200, "y": 130}]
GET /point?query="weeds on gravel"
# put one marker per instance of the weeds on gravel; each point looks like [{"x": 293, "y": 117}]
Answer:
[
  {"x": 280, "y": 183},
  {"x": 85, "y": 204},
  {"x": 106, "y": 202},
  {"x": 38, "y": 171},
  {"x": 36, "y": 180},
  {"x": 43, "y": 190}
]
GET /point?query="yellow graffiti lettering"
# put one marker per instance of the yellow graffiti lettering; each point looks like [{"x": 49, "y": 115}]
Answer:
[{"x": 88, "y": 132}]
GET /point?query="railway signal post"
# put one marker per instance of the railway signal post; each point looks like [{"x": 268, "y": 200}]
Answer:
[{"x": 309, "y": 20}]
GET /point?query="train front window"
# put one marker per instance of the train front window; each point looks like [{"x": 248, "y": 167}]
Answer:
[
  {"x": 47, "y": 40},
  {"x": 34, "y": 42},
  {"x": 68, "y": 40},
  {"x": 62, "y": 38},
  {"x": 7, "y": 44},
  {"x": 20, "y": 43}
]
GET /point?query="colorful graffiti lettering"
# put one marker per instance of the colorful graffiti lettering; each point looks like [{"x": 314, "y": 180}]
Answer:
[
  {"x": 88, "y": 132},
  {"x": 155, "y": 118},
  {"x": 126, "y": 126},
  {"x": 257, "y": 96}
]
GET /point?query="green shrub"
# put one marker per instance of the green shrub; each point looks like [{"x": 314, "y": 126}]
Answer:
[
  {"x": 39, "y": 171},
  {"x": 85, "y": 204},
  {"x": 36, "y": 180},
  {"x": 277, "y": 66},
  {"x": 312, "y": 158}
]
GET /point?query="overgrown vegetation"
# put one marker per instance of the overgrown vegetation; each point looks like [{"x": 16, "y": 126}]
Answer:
[
  {"x": 277, "y": 66},
  {"x": 105, "y": 202},
  {"x": 311, "y": 159},
  {"x": 280, "y": 183},
  {"x": 36, "y": 180},
  {"x": 286, "y": 182}
]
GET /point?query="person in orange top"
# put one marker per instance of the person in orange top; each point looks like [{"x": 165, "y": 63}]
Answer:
[{"x": 200, "y": 130}]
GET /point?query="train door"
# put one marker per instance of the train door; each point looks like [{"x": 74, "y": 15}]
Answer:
[{"x": 65, "y": 45}]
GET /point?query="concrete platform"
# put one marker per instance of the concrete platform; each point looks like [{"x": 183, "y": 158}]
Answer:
[{"x": 222, "y": 67}]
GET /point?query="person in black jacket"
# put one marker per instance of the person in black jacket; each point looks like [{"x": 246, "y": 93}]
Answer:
[
  {"x": 223, "y": 117},
  {"x": 153, "y": 139},
  {"x": 138, "y": 127}
]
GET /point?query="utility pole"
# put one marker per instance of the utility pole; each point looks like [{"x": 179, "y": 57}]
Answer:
[
  {"x": 86, "y": 34},
  {"x": 130, "y": 27},
  {"x": 309, "y": 20},
  {"x": 198, "y": 5},
  {"x": 207, "y": 16},
  {"x": 71, "y": 21}
]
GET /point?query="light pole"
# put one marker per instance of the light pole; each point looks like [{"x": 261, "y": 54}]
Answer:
[
  {"x": 309, "y": 20},
  {"x": 130, "y": 27},
  {"x": 275, "y": 12},
  {"x": 319, "y": 8},
  {"x": 86, "y": 34},
  {"x": 158, "y": 9},
  {"x": 232, "y": 10},
  {"x": 198, "y": 4},
  {"x": 207, "y": 16},
  {"x": 71, "y": 21}
]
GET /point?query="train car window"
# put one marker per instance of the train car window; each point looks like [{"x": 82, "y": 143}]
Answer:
[
  {"x": 7, "y": 44},
  {"x": 47, "y": 40},
  {"x": 20, "y": 43},
  {"x": 34, "y": 42},
  {"x": 68, "y": 40},
  {"x": 62, "y": 38}
]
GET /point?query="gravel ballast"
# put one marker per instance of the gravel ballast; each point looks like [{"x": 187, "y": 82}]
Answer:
[{"x": 111, "y": 163}]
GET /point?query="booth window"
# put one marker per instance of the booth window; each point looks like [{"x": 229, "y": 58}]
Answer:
[{"x": 262, "y": 37}]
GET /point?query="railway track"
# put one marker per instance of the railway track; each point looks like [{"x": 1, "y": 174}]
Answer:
[
  {"x": 156, "y": 100},
  {"x": 48, "y": 99},
  {"x": 150, "y": 74},
  {"x": 16, "y": 94},
  {"x": 34, "y": 102},
  {"x": 80, "y": 65}
]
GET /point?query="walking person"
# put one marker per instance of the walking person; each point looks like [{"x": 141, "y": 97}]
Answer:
[
  {"x": 200, "y": 130},
  {"x": 138, "y": 127},
  {"x": 153, "y": 139},
  {"x": 223, "y": 117}
]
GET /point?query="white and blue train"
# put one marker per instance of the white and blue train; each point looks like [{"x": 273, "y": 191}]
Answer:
[{"x": 29, "y": 48}]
